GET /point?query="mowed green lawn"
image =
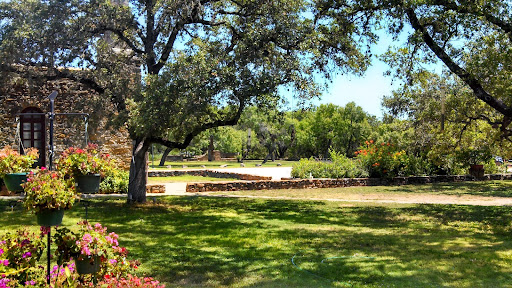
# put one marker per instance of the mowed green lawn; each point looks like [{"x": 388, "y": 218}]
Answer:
[
  {"x": 468, "y": 188},
  {"x": 187, "y": 178},
  {"x": 217, "y": 164},
  {"x": 226, "y": 242}
]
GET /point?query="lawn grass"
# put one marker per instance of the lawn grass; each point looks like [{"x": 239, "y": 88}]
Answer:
[
  {"x": 226, "y": 242},
  {"x": 475, "y": 188},
  {"x": 217, "y": 164},
  {"x": 186, "y": 178}
]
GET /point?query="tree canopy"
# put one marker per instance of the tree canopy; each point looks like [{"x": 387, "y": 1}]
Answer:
[
  {"x": 201, "y": 62},
  {"x": 471, "y": 38}
]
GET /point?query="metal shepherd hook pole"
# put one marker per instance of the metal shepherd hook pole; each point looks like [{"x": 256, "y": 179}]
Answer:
[
  {"x": 51, "y": 117},
  {"x": 50, "y": 166}
]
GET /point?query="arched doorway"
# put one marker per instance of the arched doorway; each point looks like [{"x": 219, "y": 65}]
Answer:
[{"x": 33, "y": 132}]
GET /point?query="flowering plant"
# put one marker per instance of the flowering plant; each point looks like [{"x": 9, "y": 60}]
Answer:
[
  {"x": 19, "y": 253},
  {"x": 12, "y": 162},
  {"x": 76, "y": 161},
  {"x": 382, "y": 160},
  {"x": 92, "y": 243},
  {"x": 48, "y": 190},
  {"x": 129, "y": 281}
]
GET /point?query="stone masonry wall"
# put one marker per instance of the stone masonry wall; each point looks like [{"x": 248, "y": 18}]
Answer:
[
  {"x": 17, "y": 93},
  {"x": 333, "y": 183}
]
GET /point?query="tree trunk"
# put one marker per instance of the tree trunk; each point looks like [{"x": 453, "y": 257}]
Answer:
[
  {"x": 327, "y": 153},
  {"x": 210, "y": 150},
  {"x": 164, "y": 156},
  {"x": 138, "y": 171},
  {"x": 270, "y": 154}
]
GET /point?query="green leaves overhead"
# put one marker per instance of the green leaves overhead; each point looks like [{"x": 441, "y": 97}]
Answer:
[
  {"x": 45, "y": 33},
  {"x": 470, "y": 38}
]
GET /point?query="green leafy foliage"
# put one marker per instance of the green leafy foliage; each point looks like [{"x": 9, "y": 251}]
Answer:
[
  {"x": 292, "y": 134},
  {"x": 20, "y": 251},
  {"x": 203, "y": 62},
  {"x": 93, "y": 243},
  {"x": 77, "y": 161},
  {"x": 382, "y": 159},
  {"x": 338, "y": 167},
  {"x": 332, "y": 127},
  {"x": 12, "y": 162},
  {"x": 115, "y": 181},
  {"x": 48, "y": 190},
  {"x": 465, "y": 137}
]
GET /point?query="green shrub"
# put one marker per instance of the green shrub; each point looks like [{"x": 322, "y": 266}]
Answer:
[
  {"x": 490, "y": 167},
  {"x": 382, "y": 160},
  {"x": 345, "y": 167},
  {"x": 339, "y": 167},
  {"x": 417, "y": 166},
  {"x": 115, "y": 182}
]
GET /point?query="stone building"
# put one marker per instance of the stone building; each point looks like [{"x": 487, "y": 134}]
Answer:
[{"x": 20, "y": 95}]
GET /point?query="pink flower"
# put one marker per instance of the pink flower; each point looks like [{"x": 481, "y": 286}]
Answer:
[
  {"x": 5, "y": 262},
  {"x": 86, "y": 251},
  {"x": 87, "y": 238},
  {"x": 26, "y": 254},
  {"x": 44, "y": 230}
]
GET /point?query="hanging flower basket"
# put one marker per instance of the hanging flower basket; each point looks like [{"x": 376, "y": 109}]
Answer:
[
  {"x": 13, "y": 181},
  {"x": 48, "y": 218},
  {"x": 88, "y": 183},
  {"x": 48, "y": 194},
  {"x": 88, "y": 265},
  {"x": 13, "y": 166}
]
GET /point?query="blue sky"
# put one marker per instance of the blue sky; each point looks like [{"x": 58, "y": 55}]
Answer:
[{"x": 365, "y": 91}]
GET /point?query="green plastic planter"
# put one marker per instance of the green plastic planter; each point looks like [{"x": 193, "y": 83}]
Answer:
[
  {"x": 13, "y": 181},
  {"x": 48, "y": 218},
  {"x": 88, "y": 184},
  {"x": 87, "y": 266}
]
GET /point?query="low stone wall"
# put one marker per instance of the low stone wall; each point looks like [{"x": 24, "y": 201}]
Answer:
[
  {"x": 334, "y": 183},
  {"x": 174, "y": 158},
  {"x": 206, "y": 173},
  {"x": 152, "y": 188}
]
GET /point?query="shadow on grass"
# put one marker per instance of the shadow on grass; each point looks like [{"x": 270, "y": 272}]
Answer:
[
  {"x": 478, "y": 188},
  {"x": 220, "y": 242}
]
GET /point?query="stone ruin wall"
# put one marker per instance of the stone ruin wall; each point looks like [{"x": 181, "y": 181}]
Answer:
[{"x": 17, "y": 93}]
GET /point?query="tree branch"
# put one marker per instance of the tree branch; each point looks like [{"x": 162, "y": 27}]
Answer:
[
  {"x": 464, "y": 9},
  {"x": 469, "y": 79},
  {"x": 184, "y": 144},
  {"x": 57, "y": 74},
  {"x": 166, "y": 52}
]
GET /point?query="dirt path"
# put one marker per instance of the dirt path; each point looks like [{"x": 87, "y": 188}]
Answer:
[{"x": 389, "y": 198}]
